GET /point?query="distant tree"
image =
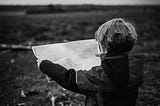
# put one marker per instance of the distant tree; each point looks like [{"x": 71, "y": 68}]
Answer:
[{"x": 44, "y": 10}]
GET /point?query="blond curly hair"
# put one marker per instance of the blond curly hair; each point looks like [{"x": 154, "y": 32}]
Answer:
[{"x": 116, "y": 36}]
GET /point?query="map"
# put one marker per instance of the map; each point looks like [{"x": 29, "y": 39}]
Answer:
[{"x": 78, "y": 55}]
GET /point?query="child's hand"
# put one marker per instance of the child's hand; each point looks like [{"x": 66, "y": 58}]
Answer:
[
  {"x": 98, "y": 55},
  {"x": 101, "y": 56}
]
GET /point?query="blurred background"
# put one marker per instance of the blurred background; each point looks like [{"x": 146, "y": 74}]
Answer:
[{"x": 27, "y": 23}]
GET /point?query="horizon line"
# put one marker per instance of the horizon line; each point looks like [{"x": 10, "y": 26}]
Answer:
[{"x": 80, "y": 4}]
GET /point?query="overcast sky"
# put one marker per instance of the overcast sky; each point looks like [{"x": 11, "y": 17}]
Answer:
[{"x": 103, "y": 2}]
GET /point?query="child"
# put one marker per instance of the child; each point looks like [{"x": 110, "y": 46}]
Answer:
[{"x": 115, "y": 82}]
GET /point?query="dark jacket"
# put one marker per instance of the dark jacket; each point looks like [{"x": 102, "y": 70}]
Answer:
[{"x": 114, "y": 83}]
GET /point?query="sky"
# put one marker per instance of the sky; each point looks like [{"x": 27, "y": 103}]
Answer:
[{"x": 67, "y": 2}]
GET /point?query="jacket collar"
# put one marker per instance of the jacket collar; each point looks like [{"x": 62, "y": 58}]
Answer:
[{"x": 110, "y": 56}]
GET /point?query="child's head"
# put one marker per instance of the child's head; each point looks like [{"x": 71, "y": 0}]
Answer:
[{"x": 116, "y": 36}]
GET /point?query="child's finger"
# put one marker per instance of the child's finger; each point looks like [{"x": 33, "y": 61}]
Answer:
[{"x": 97, "y": 55}]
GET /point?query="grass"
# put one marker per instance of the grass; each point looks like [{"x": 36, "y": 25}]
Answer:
[
  {"x": 19, "y": 72},
  {"x": 72, "y": 26}
]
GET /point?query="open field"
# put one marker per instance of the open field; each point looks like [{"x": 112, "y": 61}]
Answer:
[
  {"x": 19, "y": 73},
  {"x": 18, "y": 27}
]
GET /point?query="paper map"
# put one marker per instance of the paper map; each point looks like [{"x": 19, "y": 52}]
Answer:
[{"x": 79, "y": 55}]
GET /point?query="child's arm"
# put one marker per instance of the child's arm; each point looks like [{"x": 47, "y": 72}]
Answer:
[{"x": 66, "y": 78}]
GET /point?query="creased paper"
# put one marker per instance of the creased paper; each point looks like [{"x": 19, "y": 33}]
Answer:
[{"x": 79, "y": 55}]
